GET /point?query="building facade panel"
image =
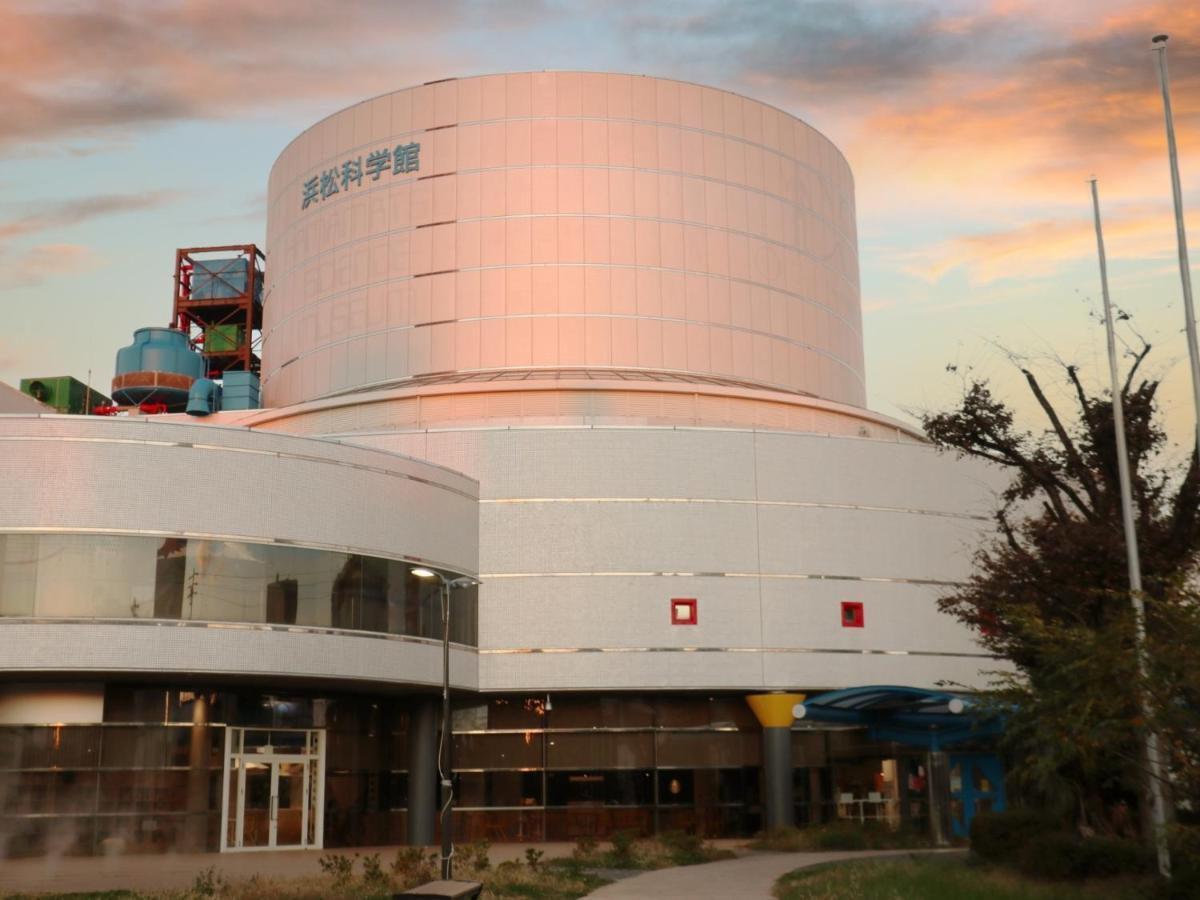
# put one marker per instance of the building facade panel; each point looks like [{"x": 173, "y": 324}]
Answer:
[
  {"x": 897, "y": 616},
  {"x": 68, "y": 473},
  {"x": 201, "y": 652},
  {"x": 619, "y": 612},
  {"x": 618, "y": 531}
]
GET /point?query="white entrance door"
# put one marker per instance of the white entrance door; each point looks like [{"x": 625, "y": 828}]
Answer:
[{"x": 273, "y": 787}]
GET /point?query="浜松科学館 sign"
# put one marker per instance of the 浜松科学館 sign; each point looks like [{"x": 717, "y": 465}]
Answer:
[{"x": 402, "y": 159}]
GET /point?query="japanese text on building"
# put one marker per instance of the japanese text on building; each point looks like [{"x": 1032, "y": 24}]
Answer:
[{"x": 404, "y": 158}]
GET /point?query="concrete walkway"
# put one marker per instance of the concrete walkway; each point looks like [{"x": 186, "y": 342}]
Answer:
[{"x": 748, "y": 878}]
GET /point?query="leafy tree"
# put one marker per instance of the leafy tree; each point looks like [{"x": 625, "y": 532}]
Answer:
[{"x": 1051, "y": 593}]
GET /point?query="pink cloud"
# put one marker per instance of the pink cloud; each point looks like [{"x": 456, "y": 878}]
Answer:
[
  {"x": 69, "y": 68},
  {"x": 45, "y": 261},
  {"x": 63, "y": 214}
]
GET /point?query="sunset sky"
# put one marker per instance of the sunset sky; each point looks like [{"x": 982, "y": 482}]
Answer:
[{"x": 133, "y": 128}]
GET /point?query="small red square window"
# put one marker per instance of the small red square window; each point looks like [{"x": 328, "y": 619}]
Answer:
[
  {"x": 683, "y": 611},
  {"x": 852, "y": 615}
]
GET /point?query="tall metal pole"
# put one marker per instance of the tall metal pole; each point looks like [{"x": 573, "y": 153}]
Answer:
[
  {"x": 1185, "y": 270},
  {"x": 444, "y": 756},
  {"x": 1153, "y": 763}
]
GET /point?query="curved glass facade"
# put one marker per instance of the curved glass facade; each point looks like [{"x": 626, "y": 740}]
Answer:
[{"x": 90, "y": 576}]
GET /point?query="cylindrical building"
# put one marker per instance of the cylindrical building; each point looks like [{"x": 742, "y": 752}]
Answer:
[
  {"x": 630, "y": 307},
  {"x": 560, "y": 221}
]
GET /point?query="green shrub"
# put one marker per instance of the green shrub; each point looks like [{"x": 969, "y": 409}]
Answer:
[
  {"x": 840, "y": 837},
  {"x": 209, "y": 883},
  {"x": 623, "y": 855},
  {"x": 1061, "y": 855},
  {"x": 585, "y": 848},
  {"x": 412, "y": 867},
  {"x": 683, "y": 849},
  {"x": 1003, "y": 836},
  {"x": 373, "y": 874},
  {"x": 782, "y": 840},
  {"x": 1184, "y": 841},
  {"x": 338, "y": 867},
  {"x": 472, "y": 858}
]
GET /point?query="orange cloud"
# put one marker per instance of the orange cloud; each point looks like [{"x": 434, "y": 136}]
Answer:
[
  {"x": 1040, "y": 248},
  {"x": 1028, "y": 133}
]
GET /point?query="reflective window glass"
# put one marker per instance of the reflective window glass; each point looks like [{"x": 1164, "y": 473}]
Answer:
[
  {"x": 498, "y": 751},
  {"x": 626, "y": 788},
  {"x": 491, "y": 789},
  {"x": 600, "y": 750},
  {"x": 121, "y": 577},
  {"x": 718, "y": 749}
]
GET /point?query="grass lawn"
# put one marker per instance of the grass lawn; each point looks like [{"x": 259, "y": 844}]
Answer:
[{"x": 924, "y": 878}]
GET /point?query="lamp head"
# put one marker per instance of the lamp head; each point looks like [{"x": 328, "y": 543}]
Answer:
[
  {"x": 1159, "y": 39},
  {"x": 422, "y": 572}
]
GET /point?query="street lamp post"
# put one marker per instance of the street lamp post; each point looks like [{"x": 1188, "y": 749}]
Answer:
[{"x": 444, "y": 771}]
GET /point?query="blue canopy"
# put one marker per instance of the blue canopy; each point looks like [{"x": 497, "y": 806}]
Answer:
[{"x": 906, "y": 715}]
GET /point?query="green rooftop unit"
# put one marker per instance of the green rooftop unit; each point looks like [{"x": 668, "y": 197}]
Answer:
[
  {"x": 64, "y": 394},
  {"x": 223, "y": 338}
]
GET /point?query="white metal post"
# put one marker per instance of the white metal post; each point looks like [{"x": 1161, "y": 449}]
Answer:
[
  {"x": 1153, "y": 763},
  {"x": 1185, "y": 269}
]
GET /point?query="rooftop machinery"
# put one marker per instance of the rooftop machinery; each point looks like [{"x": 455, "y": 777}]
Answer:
[
  {"x": 214, "y": 336},
  {"x": 218, "y": 305}
]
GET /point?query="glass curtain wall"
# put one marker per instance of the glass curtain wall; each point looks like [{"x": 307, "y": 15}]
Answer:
[
  {"x": 571, "y": 767},
  {"x": 119, "y": 577},
  {"x": 527, "y": 768}
]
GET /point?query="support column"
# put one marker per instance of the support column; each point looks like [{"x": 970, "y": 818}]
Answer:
[
  {"x": 774, "y": 713},
  {"x": 937, "y": 763},
  {"x": 422, "y": 772},
  {"x": 196, "y": 830},
  {"x": 816, "y": 793},
  {"x": 903, "y": 764}
]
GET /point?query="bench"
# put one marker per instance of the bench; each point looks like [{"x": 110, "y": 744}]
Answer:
[{"x": 447, "y": 890}]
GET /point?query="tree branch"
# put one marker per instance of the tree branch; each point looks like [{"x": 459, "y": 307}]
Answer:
[
  {"x": 1137, "y": 361},
  {"x": 1075, "y": 461}
]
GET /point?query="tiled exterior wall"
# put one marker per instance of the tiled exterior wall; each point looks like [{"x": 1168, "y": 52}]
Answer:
[
  {"x": 587, "y": 533},
  {"x": 562, "y": 219},
  {"x": 142, "y": 475},
  {"x": 85, "y": 475}
]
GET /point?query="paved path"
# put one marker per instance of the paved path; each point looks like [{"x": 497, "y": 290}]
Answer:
[{"x": 748, "y": 878}]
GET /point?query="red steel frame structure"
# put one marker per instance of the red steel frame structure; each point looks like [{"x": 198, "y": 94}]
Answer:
[{"x": 196, "y": 317}]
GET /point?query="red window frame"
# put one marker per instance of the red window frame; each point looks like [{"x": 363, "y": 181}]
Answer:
[
  {"x": 853, "y": 615},
  {"x": 683, "y": 611}
]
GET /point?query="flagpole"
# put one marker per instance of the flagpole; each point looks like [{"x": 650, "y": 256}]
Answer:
[
  {"x": 1154, "y": 791},
  {"x": 1185, "y": 270}
]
